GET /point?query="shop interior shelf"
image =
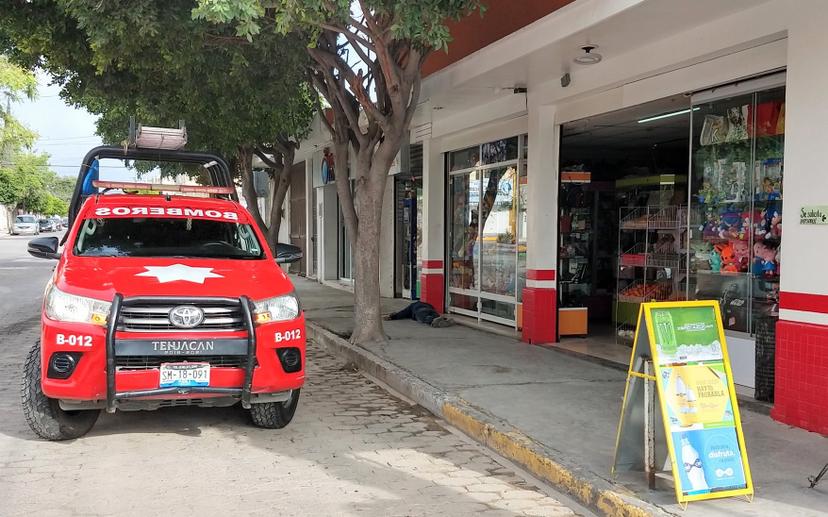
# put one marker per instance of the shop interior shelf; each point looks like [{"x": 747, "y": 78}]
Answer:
[
  {"x": 655, "y": 218},
  {"x": 641, "y": 291},
  {"x": 667, "y": 261},
  {"x": 635, "y": 256}
]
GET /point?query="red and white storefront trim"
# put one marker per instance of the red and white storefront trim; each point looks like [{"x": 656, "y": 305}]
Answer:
[
  {"x": 540, "y": 307},
  {"x": 433, "y": 284},
  {"x": 801, "y": 373}
]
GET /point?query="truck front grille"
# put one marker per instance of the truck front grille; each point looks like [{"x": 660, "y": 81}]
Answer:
[
  {"x": 148, "y": 362},
  {"x": 154, "y": 316}
]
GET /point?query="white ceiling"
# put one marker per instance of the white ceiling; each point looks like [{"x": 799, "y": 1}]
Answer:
[
  {"x": 480, "y": 79},
  {"x": 621, "y": 129}
]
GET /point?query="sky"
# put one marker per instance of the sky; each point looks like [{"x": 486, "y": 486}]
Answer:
[{"x": 64, "y": 132}]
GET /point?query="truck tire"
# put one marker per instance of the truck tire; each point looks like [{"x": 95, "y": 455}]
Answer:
[
  {"x": 44, "y": 415},
  {"x": 274, "y": 415}
]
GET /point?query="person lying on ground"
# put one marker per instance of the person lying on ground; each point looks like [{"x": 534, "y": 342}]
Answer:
[{"x": 422, "y": 312}]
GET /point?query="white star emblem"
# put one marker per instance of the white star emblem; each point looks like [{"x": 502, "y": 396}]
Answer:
[{"x": 182, "y": 272}]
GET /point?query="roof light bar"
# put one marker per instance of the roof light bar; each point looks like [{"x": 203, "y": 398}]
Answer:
[{"x": 162, "y": 187}]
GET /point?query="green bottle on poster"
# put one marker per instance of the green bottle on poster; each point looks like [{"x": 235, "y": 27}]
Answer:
[{"x": 665, "y": 331}]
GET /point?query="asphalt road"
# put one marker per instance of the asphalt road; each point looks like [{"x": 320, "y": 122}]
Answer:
[
  {"x": 352, "y": 449},
  {"x": 22, "y": 280}
]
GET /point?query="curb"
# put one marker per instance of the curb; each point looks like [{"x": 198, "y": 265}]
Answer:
[{"x": 543, "y": 462}]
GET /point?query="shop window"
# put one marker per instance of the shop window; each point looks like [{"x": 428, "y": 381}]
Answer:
[
  {"x": 464, "y": 159},
  {"x": 498, "y": 253},
  {"x": 736, "y": 205},
  {"x": 499, "y": 151},
  {"x": 486, "y": 239},
  {"x": 522, "y": 198}
]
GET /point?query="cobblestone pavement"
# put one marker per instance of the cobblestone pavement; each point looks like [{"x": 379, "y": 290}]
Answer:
[{"x": 352, "y": 449}]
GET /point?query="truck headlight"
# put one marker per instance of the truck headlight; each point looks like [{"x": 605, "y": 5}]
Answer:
[
  {"x": 279, "y": 308},
  {"x": 62, "y": 306}
]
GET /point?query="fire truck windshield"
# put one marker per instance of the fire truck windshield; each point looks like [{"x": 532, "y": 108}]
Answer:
[{"x": 166, "y": 237}]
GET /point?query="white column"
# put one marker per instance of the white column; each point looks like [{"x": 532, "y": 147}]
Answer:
[
  {"x": 542, "y": 213},
  {"x": 805, "y": 247},
  {"x": 540, "y": 295},
  {"x": 432, "y": 279}
]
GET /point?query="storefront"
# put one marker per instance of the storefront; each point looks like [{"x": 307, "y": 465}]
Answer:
[
  {"x": 486, "y": 234},
  {"x": 675, "y": 199},
  {"x": 656, "y": 172}
]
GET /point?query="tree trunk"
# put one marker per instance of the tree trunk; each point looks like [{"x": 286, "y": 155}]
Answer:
[
  {"x": 368, "y": 203},
  {"x": 367, "y": 307},
  {"x": 244, "y": 162},
  {"x": 280, "y": 188}
]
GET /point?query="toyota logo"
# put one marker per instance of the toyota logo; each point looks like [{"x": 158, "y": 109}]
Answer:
[{"x": 186, "y": 316}]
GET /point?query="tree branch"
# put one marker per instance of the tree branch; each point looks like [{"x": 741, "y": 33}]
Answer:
[
  {"x": 353, "y": 37},
  {"x": 332, "y": 61},
  {"x": 265, "y": 158},
  {"x": 338, "y": 96},
  {"x": 319, "y": 85}
]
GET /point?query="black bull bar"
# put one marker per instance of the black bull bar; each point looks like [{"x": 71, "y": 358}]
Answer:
[{"x": 113, "y": 397}]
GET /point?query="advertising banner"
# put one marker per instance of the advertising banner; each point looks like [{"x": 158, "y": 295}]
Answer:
[{"x": 685, "y": 342}]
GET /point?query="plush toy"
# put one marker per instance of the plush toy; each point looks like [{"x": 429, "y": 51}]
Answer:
[
  {"x": 770, "y": 191},
  {"x": 727, "y": 257},
  {"x": 715, "y": 261},
  {"x": 701, "y": 254},
  {"x": 710, "y": 227},
  {"x": 730, "y": 225},
  {"x": 775, "y": 225},
  {"x": 706, "y": 194},
  {"x": 759, "y": 226},
  {"x": 741, "y": 253},
  {"x": 764, "y": 260}
]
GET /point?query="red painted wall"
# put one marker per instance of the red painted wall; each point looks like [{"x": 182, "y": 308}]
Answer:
[
  {"x": 801, "y": 388},
  {"x": 502, "y": 17}
]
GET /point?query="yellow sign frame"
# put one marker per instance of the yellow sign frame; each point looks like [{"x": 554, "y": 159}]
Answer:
[{"x": 645, "y": 312}]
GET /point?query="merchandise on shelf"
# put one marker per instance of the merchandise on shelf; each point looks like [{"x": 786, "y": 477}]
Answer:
[
  {"x": 653, "y": 264},
  {"x": 736, "y": 206}
]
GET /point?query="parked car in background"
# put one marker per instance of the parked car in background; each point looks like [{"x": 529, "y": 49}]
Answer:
[
  {"x": 46, "y": 225},
  {"x": 25, "y": 224},
  {"x": 65, "y": 222}
]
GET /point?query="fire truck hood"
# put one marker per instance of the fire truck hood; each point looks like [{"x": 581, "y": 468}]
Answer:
[{"x": 102, "y": 277}]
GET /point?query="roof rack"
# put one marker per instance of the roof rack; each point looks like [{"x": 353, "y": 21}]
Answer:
[
  {"x": 216, "y": 167},
  {"x": 162, "y": 187}
]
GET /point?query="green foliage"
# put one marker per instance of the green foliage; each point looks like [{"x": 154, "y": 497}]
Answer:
[
  {"x": 422, "y": 22},
  {"x": 24, "y": 180},
  {"x": 15, "y": 84},
  {"x": 61, "y": 187},
  {"x": 55, "y": 206},
  {"x": 152, "y": 60}
]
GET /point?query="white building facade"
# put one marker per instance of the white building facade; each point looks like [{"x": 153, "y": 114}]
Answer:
[{"x": 520, "y": 158}]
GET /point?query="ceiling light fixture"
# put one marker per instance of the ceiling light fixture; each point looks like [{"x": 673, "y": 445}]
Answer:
[
  {"x": 667, "y": 115},
  {"x": 588, "y": 57}
]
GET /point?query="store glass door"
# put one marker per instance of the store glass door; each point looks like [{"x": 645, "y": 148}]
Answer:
[
  {"x": 345, "y": 270},
  {"x": 484, "y": 211},
  {"x": 409, "y": 196},
  {"x": 498, "y": 264}
]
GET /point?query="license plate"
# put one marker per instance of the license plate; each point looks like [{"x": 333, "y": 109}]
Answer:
[{"x": 185, "y": 374}]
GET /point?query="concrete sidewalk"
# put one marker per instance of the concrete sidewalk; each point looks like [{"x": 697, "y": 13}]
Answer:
[{"x": 554, "y": 413}]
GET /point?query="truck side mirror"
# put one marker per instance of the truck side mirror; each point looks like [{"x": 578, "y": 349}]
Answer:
[
  {"x": 287, "y": 253},
  {"x": 44, "y": 247}
]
